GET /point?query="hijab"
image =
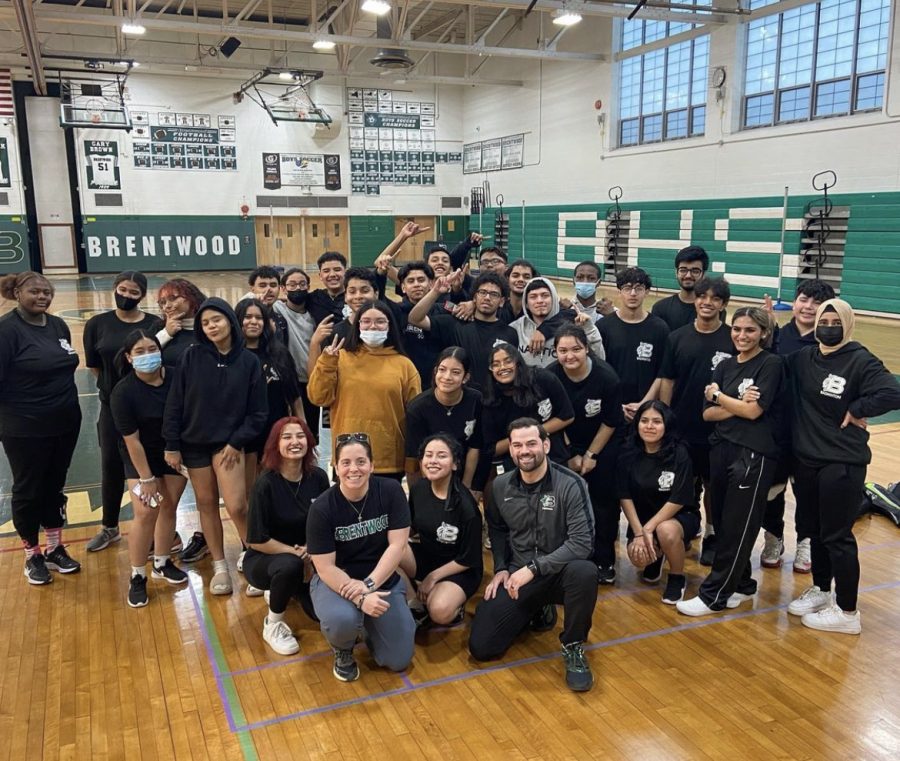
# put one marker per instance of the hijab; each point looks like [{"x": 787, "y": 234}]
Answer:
[{"x": 845, "y": 312}]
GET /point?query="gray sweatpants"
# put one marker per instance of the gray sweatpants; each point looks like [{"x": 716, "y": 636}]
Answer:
[{"x": 390, "y": 636}]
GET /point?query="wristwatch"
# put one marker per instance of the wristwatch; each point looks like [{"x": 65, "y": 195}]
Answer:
[
  {"x": 589, "y": 453},
  {"x": 533, "y": 567},
  {"x": 370, "y": 585},
  {"x": 715, "y": 397}
]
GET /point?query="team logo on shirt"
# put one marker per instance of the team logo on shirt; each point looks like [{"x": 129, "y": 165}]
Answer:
[
  {"x": 415, "y": 331},
  {"x": 545, "y": 409},
  {"x": 66, "y": 345},
  {"x": 718, "y": 357},
  {"x": 592, "y": 407},
  {"x": 745, "y": 384},
  {"x": 346, "y": 311},
  {"x": 447, "y": 534},
  {"x": 644, "y": 352},
  {"x": 548, "y": 501},
  {"x": 666, "y": 479},
  {"x": 469, "y": 429},
  {"x": 833, "y": 386}
]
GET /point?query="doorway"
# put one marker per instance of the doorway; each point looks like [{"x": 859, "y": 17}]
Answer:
[
  {"x": 321, "y": 234},
  {"x": 279, "y": 241},
  {"x": 412, "y": 249}
]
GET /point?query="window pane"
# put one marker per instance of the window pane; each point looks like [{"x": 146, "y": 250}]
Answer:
[
  {"x": 834, "y": 53},
  {"x": 759, "y": 110},
  {"x": 698, "y": 120},
  {"x": 796, "y": 46},
  {"x": 676, "y": 124},
  {"x": 629, "y": 133},
  {"x": 700, "y": 68},
  {"x": 630, "y": 88},
  {"x": 652, "y": 128},
  {"x": 793, "y": 105},
  {"x": 653, "y": 80},
  {"x": 678, "y": 76},
  {"x": 869, "y": 92},
  {"x": 833, "y": 98},
  {"x": 762, "y": 51}
]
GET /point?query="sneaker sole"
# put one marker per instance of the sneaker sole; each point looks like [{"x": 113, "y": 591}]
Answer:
[
  {"x": 137, "y": 605},
  {"x": 195, "y": 558},
  {"x": 800, "y": 569},
  {"x": 37, "y": 582},
  {"x": 771, "y": 563},
  {"x": 815, "y": 609},
  {"x": 585, "y": 688},
  {"x": 163, "y": 577},
  {"x": 345, "y": 678},
  {"x": 294, "y": 651},
  {"x": 737, "y": 603},
  {"x": 833, "y": 629},
  {"x": 667, "y": 601},
  {"x": 651, "y": 581},
  {"x": 117, "y": 538},
  {"x": 60, "y": 569}
]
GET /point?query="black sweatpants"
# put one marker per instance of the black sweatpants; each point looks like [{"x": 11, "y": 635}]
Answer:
[
  {"x": 282, "y": 576},
  {"x": 112, "y": 471},
  {"x": 601, "y": 483},
  {"x": 311, "y": 411},
  {"x": 499, "y": 621},
  {"x": 39, "y": 466},
  {"x": 829, "y": 497},
  {"x": 738, "y": 485}
]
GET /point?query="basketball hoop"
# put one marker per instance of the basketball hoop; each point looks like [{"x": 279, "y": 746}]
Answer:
[{"x": 94, "y": 108}]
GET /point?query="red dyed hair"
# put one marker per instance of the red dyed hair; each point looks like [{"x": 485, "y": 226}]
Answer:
[
  {"x": 271, "y": 459},
  {"x": 178, "y": 286}
]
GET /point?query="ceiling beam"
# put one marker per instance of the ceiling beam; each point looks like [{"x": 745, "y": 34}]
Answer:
[{"x": 24, "y": 12}]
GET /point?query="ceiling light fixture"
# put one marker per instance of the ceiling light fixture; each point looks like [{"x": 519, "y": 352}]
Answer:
[
  {"x": 566, "y": 17},
  {"x": 133, "y": 27},
  {"x": 378, "y": 7},
  {"x": 323, "y": 45}
]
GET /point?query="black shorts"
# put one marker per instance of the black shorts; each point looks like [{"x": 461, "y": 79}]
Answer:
[
  {"x": 158, "y": 467},
  {"x": 194, "y": 456},
  {"x": 469, "y": 580},
  {"x": 690, "y": 525}
]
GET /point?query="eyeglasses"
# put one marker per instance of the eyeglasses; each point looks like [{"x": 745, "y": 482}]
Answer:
[
  {"x": 491, "y": 262},
  {"x": 695, "y": 271},
  {"x": 362, "y": 438},
  {"x": 296, "y": 286},
  {"x": 367, "y": 323},
  {"x": 497, "y": 364},
  {"x": 636, "y": 289},
  {"x": 488, "y": 294}
]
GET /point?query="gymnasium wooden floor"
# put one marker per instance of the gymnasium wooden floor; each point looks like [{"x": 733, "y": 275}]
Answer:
[{"x": 83, "y": 676}]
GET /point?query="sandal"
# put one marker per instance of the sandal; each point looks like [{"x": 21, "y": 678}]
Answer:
[{"x": 220, "y": 584}]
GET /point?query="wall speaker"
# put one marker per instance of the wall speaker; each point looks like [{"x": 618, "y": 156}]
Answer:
[{"x": 228, "y": 47}]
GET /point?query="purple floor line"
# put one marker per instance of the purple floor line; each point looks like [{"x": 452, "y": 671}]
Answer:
[
  {"x": 278, "y": 664},
  {"x": 688, "y": 625}
]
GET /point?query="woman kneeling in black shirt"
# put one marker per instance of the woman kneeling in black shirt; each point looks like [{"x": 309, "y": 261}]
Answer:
[
  {"x": 446, "y": 562},
  {"x": 656, "y": 489},
  {"x": 277, "y": 559}
]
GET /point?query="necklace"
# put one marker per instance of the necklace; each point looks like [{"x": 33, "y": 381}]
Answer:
[
  {"x": 448, "y": 408},
  {"x": 359, "y": 511},
  {"x": 296, "y": 488}
]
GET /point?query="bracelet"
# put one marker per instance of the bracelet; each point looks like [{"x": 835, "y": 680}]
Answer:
[
  {"x": 147, "y": 480},
  {"x": 359, "y": 602},
  {"x": 638, "y": 536}
]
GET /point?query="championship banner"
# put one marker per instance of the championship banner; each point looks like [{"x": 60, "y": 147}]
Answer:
[
  {"x": 5, "y": 180},
  {"x": 102, "y": 160},
  {"x": 301, "y": 169}
]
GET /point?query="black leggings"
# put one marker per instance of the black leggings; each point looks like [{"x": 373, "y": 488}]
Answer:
[
  {"x": 282, "y": 576},
  {"x": 39, "y": 467},
  {"x": 112, "y": 471},
  {"x": 828, "y": 499},
  {"x": 601, "y": 483}
]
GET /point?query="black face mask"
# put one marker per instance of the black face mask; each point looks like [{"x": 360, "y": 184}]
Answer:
[
  {"x": 830, "y": 335},
  {"x": 297, "y": 298},
  {"x": 126, "y": 303}
]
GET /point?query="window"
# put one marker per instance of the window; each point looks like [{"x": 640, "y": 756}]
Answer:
[
  {"x": 662, "y": 94},
  {"x": 818, "y": 60}
]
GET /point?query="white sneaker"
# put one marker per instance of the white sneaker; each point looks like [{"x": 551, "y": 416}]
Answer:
[
  {"x": 266, "y": 596},
  {"x": 485, "y": 537},
  {"x": 737, "y": 598},
  {"x": 811, "y": 600},
  {"x": 802, "y": 559},
  {"x": 694, "y": 607},
  {"x": 252, "y": 591},
  {"x": 240, "y": 561},
  {"x": 772, "y": 551},
  {"x": 833, "y": 619},
  {"x": 280, "y": 638}
]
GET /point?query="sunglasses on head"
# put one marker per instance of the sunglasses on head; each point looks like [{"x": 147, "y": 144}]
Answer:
[{"x": 360, "y": 437}]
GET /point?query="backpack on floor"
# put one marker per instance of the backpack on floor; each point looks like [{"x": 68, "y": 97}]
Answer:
[{"x": 882, "y": 500}]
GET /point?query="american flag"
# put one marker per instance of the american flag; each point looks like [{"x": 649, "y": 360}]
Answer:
[{"x": 6, "y": 94}]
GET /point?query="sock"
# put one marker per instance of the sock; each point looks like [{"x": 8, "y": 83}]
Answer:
[
  {"x": 275, "y": 617},
  {"x": 54, "y": 537},
  {"x": 708, "y": 531},
  {"x": 31, "y": 549},
  {"x": 138, "y": 570},
  {"x": 159, "y": 560},
  {"x": 220, "y": 566}
]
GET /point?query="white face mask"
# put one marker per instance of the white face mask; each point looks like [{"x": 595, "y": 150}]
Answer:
[{"x": 373, "y": 338}]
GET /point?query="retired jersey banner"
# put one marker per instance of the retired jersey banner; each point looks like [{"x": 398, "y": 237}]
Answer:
[
  {"x": 102, "y": 160},
  {"x": 5, "y": 180},
  {"x": 301, "y": 169}
]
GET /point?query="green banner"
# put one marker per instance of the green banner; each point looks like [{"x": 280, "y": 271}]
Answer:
[
  {"x": 397, "y": 121},
  {"x": 5, "y": 180},
  {"x": 184, "y": 135},
  {"x": 13, "y": 245},
  {"x": 156, "y": 244}
]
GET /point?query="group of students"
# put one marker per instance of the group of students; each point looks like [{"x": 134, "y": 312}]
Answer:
[{"x": 662, "y": 415}]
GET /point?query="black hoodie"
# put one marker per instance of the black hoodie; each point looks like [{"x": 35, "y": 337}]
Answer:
[
  {"x": 216, "y": 399},
  {"x": 824, "y": 389}
]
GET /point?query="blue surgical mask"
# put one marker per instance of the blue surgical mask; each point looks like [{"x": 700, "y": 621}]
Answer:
[
  {"x": 147, "y": 363},
  {"x": 373, "y": 338},
  {"x": 585, "y": 290}
]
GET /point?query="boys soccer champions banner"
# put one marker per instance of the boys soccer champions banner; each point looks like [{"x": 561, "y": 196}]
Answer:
[{"x": 301, "y": 169}]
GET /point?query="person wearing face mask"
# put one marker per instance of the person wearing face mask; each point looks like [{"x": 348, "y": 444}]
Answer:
[
  {"x": 137, "y": 404},
  {"x": 835, "y": 386},
  {"x": 368, "y": 384},
  {"x": 586, "y": 279},
  {"x": 104, "y": 335}
]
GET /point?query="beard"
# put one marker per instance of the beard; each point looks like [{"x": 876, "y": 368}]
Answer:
[{"x": 530, "y": 464}]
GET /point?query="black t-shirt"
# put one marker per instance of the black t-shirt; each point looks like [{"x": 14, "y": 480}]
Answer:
[
  {"x": 357, "y": 533},
  {"x": 276, "y": 393},
  {"x": 425, "y": 415},
  {"x": 635, "y": 351},
  {"x": 320, "y": 304},
  {"x": 651, "y": 480},
  {"x": 676, "y": 314},
  {"x": 138, "y": 407},
  {"x": 476, "y": 337},
  {"x": 690, "y": 359},
  {"x": 279, "y": 508},
  {"x": 764, "y": 371},
  {"x": 179, "y": 344},
  {"x": 595, "y": 400},
  {"x": 788, "y": 339},
  {"x": 422, "y": 346},
  {"x": 37, "y": 378},
  {"x": 449, "y": 529},
  {"x": 104, "y": 335}
]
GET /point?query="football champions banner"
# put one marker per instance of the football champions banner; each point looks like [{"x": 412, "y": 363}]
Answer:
[
  {"x": 102, "y": 163},
  {"x": 301, "y": 169}
]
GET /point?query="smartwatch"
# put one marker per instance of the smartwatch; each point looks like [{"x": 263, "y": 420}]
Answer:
[
  {"x": 589, "y": 453},
  {"x": 370, "y": 585},
  {"x": 533, "y": 567},
  {"x": 715, "y": 397}
]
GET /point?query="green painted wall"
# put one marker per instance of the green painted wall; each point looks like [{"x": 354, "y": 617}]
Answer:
[
  {"x": 746, "y": 248},
  {"x": 13, "y": 245},
  {"x": 158, "y": 244},
  {"x": 369, "y": 235}
]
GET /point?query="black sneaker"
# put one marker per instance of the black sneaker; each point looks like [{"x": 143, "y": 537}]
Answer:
[
  {"x": 137, "y": 592},
  {"x": 708, "y": 550},
  {"x": 653, "y": 572},
  {"x": 345, "y": 668},
  {"x": 578, "y": 671},
  {"x": 196, "y": 548},
  {"x": 606, "y": 574},
  {"x": 36, "y": 570},
  {"x": 177, "y": 544},
  {"x": 459, "y": 617},
  {"x": 170, "y": 572},
  {"x": 544, "y": 620},
  {"x": 675, "y": 586},
  {"x": 421, "y": 617},
  {"x": 59, "y": 560}
]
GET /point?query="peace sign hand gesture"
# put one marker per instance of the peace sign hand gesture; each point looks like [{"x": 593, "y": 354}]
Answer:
[{"x": 334, "y": 348}]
